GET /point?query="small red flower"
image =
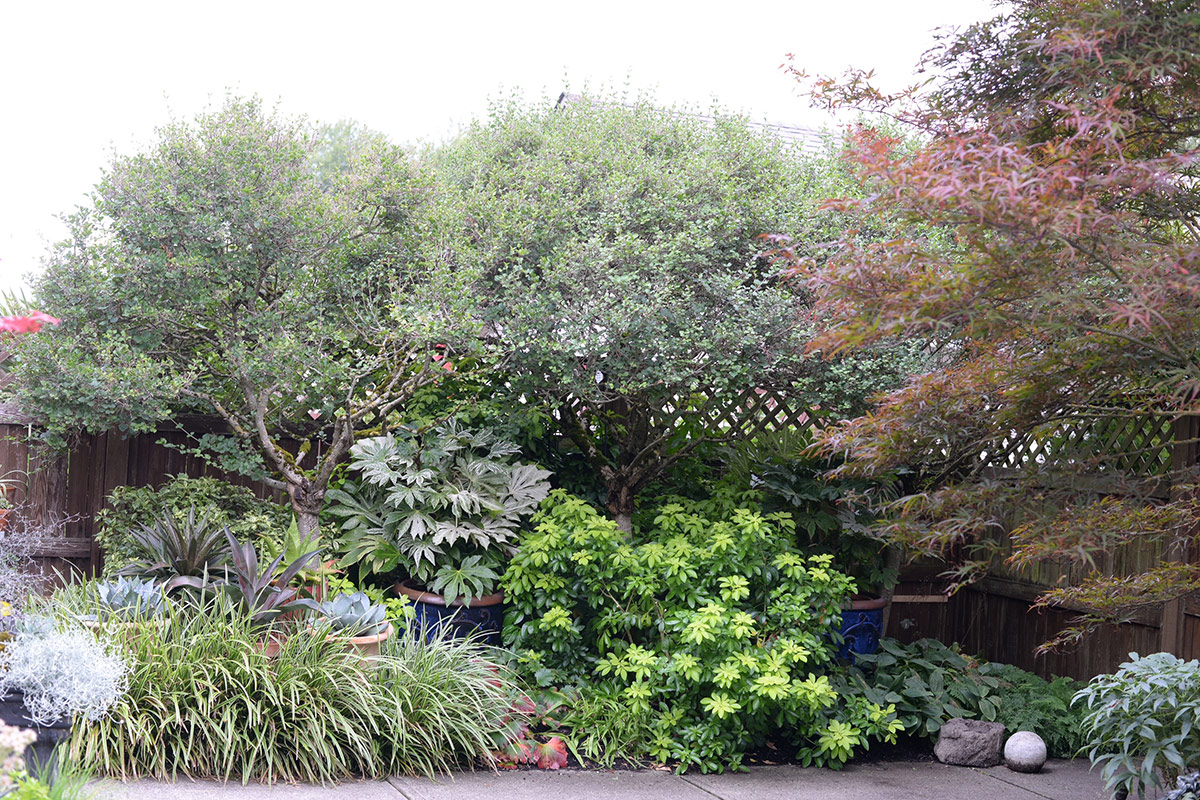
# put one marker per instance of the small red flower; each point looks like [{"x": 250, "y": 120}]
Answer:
[{"x": 27, "y": 323}]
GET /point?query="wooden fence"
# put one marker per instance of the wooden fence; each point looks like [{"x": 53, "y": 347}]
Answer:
[
  {"x": 992, "y": 618},
  {"x": 995, "y": 618},
  {"x": 64, "y": 492},
  {"x": 68, "y": 490}
]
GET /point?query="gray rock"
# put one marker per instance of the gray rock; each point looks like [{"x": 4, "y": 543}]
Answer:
[
  {"x": 969, "y": 743},
  {"x": 1024, "y": 752}
]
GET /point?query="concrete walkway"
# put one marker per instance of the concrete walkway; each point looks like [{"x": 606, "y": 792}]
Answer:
[{"x": 1060, "y": 780}]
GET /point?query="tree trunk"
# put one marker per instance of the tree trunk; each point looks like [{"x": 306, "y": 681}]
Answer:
[
  {"x": 620, "y": 504},
  {"x": 306, "y": 505}
]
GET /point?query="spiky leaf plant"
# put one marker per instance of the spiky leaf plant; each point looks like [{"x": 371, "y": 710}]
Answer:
[
  {"x": 176, "y": 553},
  {"x": 129, "y": 598},
  {"x": 264, "y": 594},
  {"x": 354, "y": 615}
]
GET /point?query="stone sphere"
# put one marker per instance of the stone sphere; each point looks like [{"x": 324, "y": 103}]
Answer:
[{"x": 1024, "y": 752}]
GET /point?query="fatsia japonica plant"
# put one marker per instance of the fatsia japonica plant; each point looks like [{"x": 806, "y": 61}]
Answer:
[{"x": 442, "y": 505}]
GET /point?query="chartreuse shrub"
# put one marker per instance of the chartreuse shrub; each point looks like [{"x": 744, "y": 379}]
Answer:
[
  {"x": 708, "y": 625},
  {"x": 1142, "y": 723},
  {"x": 221, "y": 504},
  {"x": 206, "y": 701}
]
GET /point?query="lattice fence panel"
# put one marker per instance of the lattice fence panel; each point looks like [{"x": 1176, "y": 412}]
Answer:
[
  {"x": 1132, "y": 445},
  {"x": 742, "y": 414}
]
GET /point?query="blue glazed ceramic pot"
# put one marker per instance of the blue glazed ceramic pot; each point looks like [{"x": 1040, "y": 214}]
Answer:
[
  {"x": 862, "y": 625},
  {"x": 483, "y": 618}
]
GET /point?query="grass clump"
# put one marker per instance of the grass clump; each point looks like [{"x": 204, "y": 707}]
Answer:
[{"x": 206, "y": 701}]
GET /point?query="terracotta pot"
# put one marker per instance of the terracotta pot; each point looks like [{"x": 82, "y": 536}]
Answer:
[
  {"x": 868, "y": 603},
  {"x": 271, "y": 645},
  {"x": 483, "y": 618},
  {"x": 4, "y": 514},
  {"x": 364, "y": 648},
  {"x": 368, "y": 646}
]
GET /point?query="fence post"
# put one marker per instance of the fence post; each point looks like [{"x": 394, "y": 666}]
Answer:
[{"x": 1185, "y": 454}]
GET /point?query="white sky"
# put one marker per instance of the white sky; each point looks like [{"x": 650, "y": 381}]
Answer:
[{"x": 80, "y": 78}]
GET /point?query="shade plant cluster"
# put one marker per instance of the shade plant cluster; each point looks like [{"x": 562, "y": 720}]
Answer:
[{"x": 235, "y": 671}]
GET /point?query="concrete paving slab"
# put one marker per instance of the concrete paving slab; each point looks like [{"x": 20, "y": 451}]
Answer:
[
  {"x": 899, "y": 781},
  {"x": 1060, "y": 780},
  {"x": 1069, "y": 780},
  {"x": 561, "y": 785},
  {"x": 205, "y": 790}
]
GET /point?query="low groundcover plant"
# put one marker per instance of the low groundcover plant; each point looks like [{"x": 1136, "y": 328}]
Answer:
[{"x": 62, "y": 672}]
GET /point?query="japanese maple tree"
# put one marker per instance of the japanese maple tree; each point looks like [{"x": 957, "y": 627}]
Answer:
[{"x": 1059, "y": 153}]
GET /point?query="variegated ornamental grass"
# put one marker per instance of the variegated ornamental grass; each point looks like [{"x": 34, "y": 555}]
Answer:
[{"x": 206, "y": 701}]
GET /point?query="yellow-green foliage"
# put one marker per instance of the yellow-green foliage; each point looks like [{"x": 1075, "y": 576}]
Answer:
[{"x": 710, "y": 622}]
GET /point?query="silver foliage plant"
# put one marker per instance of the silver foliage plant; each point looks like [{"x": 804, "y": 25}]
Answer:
[
  {"x": 62, "y": 672},
  {"x": 24, "y": 536},
  {"x": 354, "y": 614},
  {"x": 18, "y": 543}
]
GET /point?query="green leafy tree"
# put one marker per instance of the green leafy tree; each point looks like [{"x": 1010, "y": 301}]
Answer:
[
  {"x": 618, "y": 249},
  {"x": 1061, "y": 154},
  {"x": 227, "y": 270}
]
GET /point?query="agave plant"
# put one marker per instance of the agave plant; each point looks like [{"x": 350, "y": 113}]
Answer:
[
  {"x": 191, "y": 553},
  {"x": 354, "y": 615},
  {"x": 128, "y": 598},
  {"x": 264, "y": 594}
]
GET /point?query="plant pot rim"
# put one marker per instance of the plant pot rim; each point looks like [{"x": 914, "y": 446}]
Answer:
[
  {"x": 18, "y": 696},
  {"x": 867, "y": 603},
  {"x": 357, "y": 640},
  {"x": 419, "y": 596}
]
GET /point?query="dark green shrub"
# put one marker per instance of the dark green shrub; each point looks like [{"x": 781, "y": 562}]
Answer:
[
  {"x": 833, "y": 516},
  {"x": 1031, "y": 703},
  {"x": 930, "y": 683},
  {"x": 927, "y": 682},
  {"x": 248, "y": 517},
  {"x": 709, "y": 623}
]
